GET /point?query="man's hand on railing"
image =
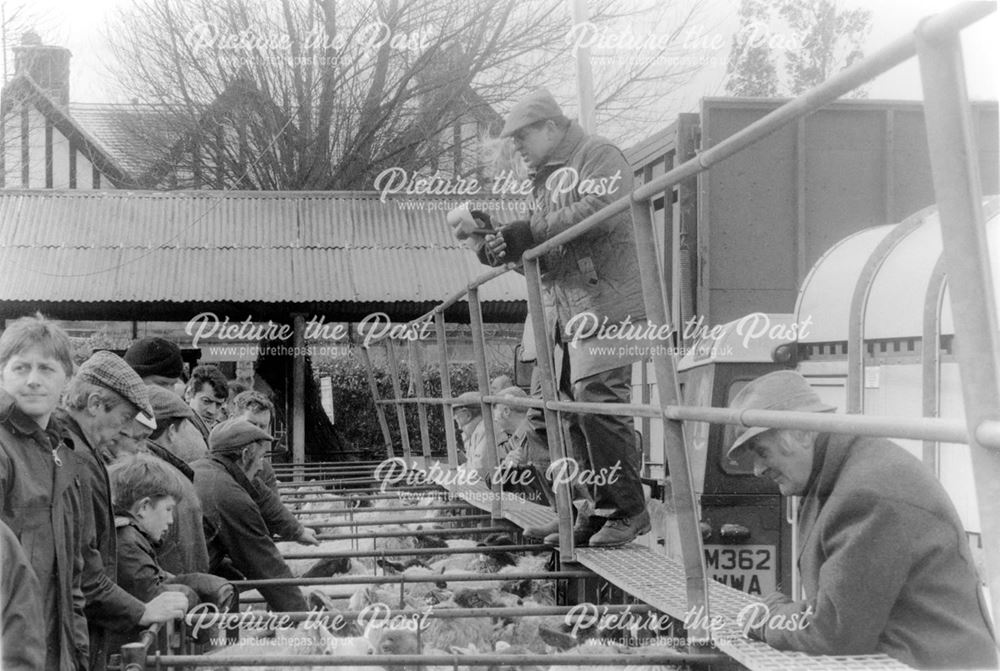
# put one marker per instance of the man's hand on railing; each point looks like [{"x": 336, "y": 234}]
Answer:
[{"x": 165, "y": 607}]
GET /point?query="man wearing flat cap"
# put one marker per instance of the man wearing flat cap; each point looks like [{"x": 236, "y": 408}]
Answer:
[
  {"x": 592, "y": 279},
  {"x": 183, "y": 548},
  {"x": 103, "y": 398},
  {"x": 884, "y": 560},
  {"x": 224, "y": 482},
  {"x": 468, "y": 415}
]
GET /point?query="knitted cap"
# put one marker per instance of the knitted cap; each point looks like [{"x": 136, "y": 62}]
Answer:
[{"x": 155, "y": 356}]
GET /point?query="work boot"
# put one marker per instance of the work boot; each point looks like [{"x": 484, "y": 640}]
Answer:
[
  {"x": 544, "y": 530},
  {"x": 621, "y": 531},
  {"x": 585, "y": 527}
]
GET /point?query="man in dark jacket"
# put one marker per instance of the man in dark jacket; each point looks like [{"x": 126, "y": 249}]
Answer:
[
  {"x": 257, "y": 409},
  {"x": 39, "y": 474},
  {"x": 590, "y": 281},
  {"x": 176, "y": 441},
  {"x": 885, "y": 564},
  {"x": 22, "y": 629},
  {"x": 103, "y": 398},
  {"x": 224, "y": 482}
]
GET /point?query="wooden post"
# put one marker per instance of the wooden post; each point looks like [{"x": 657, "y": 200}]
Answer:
[{"x": 298, "y": 393}]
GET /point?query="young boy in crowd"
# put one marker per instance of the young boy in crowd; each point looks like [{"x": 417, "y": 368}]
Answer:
[{"x": 145, "y": 491}]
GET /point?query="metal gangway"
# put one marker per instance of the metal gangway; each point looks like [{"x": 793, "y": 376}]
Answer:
[{"x": 679, "y": 588}]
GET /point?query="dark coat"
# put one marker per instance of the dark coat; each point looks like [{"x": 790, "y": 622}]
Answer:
[
  {"x": 139, "y": 573},
  {"x": 22, "y": 625},
  {"x": 229, "y": 503},
  {"x": 40, "y": 502},
  {"x": 109, "y": 607},
  {"x": 183, "y": 548},
  {"x": 885, "y": 563},
  {"x": 279, "y": 520}
]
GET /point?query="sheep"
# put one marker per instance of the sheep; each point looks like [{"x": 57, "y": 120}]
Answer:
[{"x": 302, "y": 640}]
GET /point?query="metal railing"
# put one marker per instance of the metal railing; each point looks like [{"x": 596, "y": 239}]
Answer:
[{"x": 957, "y": 188}]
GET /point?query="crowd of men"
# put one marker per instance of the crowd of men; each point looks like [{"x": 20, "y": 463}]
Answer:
[{"x": 127, "y": 496}]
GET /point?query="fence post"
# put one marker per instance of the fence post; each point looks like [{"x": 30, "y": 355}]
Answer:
[
  {"x": 550, "y": 391},
  {"x": 373, "y": 386},
  {"x": 958, "y": 191},
  {"x": 404, "y": 434},
  {"x": 483, "y": 378},
  {"x": 417, "y": 375},
  {"x": 668, "y": 393},
  {"x": 449, "y": 420}
]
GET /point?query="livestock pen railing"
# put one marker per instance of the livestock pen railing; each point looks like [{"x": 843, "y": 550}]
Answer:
[{"x": 935, "y": 41}]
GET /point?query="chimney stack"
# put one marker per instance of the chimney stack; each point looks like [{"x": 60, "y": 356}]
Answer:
[{"x": 47, "y": 65}]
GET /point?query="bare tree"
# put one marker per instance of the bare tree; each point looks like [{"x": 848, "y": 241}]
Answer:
[{"x": 323, "y": 94}]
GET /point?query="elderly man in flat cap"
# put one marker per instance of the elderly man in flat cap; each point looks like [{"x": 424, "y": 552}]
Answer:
[
  {"x": 183, "y": 548},
  {"x": 593, "y": 279},
  {"x": 225, "y": 485},
  {"x": 885, "y": 563},
  {"x": 104, "y": 397},
  {"x": 468, "y": 415}
]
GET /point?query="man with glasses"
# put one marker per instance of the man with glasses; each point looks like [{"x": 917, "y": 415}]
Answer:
[{"x": 593, "y": 279}]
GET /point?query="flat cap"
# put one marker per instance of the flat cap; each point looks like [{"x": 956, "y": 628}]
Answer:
[
  {"x": 469, "y": 399},
  {"x": 781, "y": 390},
  {"x": 167, "y": 405},
  {"x": 514, "y": 391},
  {"x": 155, "y": 356},
  {"x": 537, "y": 106},
  {"x": 110, "y": 371},
  {"x": 234, "y": 434}
]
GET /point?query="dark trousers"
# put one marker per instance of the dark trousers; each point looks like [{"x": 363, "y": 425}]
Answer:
[
  {"x": 610, "y": 441},
  {"x": 599, "y": 442}
]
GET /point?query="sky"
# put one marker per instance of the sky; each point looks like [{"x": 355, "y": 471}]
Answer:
[{"x": 81, "y": 26}]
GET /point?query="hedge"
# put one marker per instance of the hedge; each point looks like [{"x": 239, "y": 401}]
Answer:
[{"x": 354, "y": 408}]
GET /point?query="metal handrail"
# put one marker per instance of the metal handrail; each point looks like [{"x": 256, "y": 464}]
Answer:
[{"x": 960, "y": 192}]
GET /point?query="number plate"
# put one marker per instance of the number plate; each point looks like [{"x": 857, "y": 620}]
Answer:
[{"x": 749, "y": 568}]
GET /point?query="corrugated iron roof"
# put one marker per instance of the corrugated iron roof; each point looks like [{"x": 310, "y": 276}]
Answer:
[{"x": 209, "y": 246}]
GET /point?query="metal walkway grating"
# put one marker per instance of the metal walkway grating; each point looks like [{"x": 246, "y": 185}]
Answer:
[{"x": 659, "y": 581}]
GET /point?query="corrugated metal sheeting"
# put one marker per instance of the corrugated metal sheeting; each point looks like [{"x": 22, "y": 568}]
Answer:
[{"x": 205, "y": 246}]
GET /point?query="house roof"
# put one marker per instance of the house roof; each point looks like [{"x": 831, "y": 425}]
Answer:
[
  {"x": 23, "y": 87},
  {"x": 135, "y": 136},
  {"x": 115, "y": 252}
]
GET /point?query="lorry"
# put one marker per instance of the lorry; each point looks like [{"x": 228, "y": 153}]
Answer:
[{"x": 760, "y": 269}]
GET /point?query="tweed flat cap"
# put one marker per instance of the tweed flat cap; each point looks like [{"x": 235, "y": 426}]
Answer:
[
  {"x": 781, "y": 390},
  {"x": 235, "y": 434},
  {"x": 155, "y": 356},
  {"x": 537, "y": 106},
  {"x": 110, "y": 371}
]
